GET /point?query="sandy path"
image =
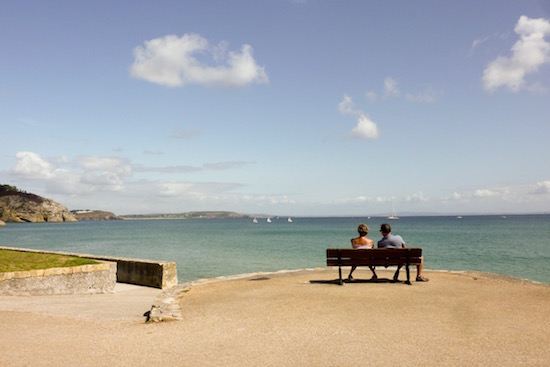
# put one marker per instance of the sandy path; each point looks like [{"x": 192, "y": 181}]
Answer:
[{"x": 286, "y": 320}]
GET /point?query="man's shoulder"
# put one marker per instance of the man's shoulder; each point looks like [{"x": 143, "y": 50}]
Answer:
[
  {"x": 391, "y": 241},
  {"x": 384, "y": 241}
]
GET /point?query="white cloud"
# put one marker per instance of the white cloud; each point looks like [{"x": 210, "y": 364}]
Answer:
[
  {"x": 91, "y": 173},
  {"x": 486, "y": 193},
  {"x": 103, "y": 179},
  {"x": 417, "y": 197},
  {"x": 390, "y": 88},
  {"x": 365, "y": 128},
  {"x": 180, "y": 133},
  {"x": 346, "y": 106},
  {"x": 529, "y": 53},
  {"x": 31, "y": 166},
  {"x": 371, "y": 96},
  {"x": 166, "y": 169},
  {"x": 152, "y": 152},
  {"x": 361, "y": 199},
  {"x": 541, "y": 188},
  {"x": 478, "y": 42},
  {"x": 104, "y": 173},
  {"x": 173, "y": 61},
  {"x": 428, "y": 96},
  {"x": 265, "y": 200},
  {"x": 108, "y": 183},
  {"x": 172, "y": 189},
  {"x": 220, "y": 166},
  {"x": 519, "y": 193},
  {"x": 182, "y": 169},
  {"x": 119, "y": 166}
]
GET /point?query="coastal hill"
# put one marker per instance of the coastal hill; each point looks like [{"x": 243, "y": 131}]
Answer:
[
  {"x": 188, "y": 215},
  {"x": 94, "y": 215},
  {"x": 19, "y": 206}
]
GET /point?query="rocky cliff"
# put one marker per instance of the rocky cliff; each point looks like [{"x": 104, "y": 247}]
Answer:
[{"x": 16, "y": 206}]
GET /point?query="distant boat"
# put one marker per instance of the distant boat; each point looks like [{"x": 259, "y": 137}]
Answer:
[
  {"x": 254, "y": 220},
  {"x": 459, "y": 217},
  {"x": 268, "y": 220},
  {"x": 393, "y": 215},
  {"x": 502, "y": 217},
  {"x": 289, "y": 220}
]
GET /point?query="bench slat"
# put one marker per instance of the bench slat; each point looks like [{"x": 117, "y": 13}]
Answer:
[
  {"x": 372, "y": 262},
  {"x": 374, "y": 253}
]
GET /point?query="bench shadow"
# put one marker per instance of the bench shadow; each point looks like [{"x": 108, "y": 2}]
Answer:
[
  {"x": 335, "y": 281},
  {"x": 258, "y": 279},
  {"x": 346, "y": 281},
  {"x": 379, "y": 280}
]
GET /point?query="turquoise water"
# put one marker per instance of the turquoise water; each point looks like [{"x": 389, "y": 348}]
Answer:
[{"x": 517, "y": 246}]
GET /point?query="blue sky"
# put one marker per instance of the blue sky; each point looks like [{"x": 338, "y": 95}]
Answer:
[{"x": 280, "y": 107}]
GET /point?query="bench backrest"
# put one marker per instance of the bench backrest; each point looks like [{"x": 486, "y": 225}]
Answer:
[{"x": 376, "y": 256}]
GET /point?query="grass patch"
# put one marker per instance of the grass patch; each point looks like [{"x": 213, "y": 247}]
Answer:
[{"x": 24, "y": 261}]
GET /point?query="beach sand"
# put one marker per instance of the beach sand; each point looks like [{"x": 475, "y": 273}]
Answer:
[{"x": 290, "y": 319}]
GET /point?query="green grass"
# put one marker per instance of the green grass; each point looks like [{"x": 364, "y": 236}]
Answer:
[{"x": 25, "y": 261}]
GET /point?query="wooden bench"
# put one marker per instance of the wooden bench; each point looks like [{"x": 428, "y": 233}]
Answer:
[{"x": 373, "y": 257}]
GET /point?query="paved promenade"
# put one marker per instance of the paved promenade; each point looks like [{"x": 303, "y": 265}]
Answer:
[{"x": 290, "y": 319}]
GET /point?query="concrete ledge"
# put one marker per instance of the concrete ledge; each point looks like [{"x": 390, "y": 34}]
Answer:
[
  {"x": 157, "y": 274},
  {"x": 84, "y": 279}
]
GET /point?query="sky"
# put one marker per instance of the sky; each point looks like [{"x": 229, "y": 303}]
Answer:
[{"x": 282, "y": 107}]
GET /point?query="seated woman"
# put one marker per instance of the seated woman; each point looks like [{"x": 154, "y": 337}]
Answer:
[{"x": 362, "y": 242}]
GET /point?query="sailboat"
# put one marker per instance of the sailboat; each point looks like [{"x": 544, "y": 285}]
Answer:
[
  {"x": 268, "y": 220},
  {"x": 289, "y": 220},
  {"x": 254, "y": 220},
  {"x": 393, "y": 215}
]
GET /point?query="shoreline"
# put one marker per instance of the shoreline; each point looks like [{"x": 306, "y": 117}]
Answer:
[{"x": 487, "y": 274}]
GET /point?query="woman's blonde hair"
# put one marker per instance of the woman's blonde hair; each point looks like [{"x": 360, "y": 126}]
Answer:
[{"x": 363, "y": 229}]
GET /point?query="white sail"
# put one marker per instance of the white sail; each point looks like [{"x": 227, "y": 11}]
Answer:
[{"x": 393, "y": 215}]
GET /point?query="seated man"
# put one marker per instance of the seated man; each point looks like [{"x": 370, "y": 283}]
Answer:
[{"x": 393, "y": 241}]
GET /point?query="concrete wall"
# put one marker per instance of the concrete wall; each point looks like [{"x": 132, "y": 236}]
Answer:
[
  {"x": 84, "y": 279},
  {"x": 157, "y": 274}
]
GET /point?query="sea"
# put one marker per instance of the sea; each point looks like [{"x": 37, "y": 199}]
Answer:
[{"x": 515, "y": 245}]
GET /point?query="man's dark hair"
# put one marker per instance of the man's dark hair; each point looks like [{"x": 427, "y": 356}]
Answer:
[{"x": 385, "y": 228}]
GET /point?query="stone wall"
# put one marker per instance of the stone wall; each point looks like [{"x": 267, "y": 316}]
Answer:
[
  {"x": 84, "y": 279},
  {"x": 157, "y": 274}
]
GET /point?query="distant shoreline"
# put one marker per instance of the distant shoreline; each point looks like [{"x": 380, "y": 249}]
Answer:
[
  {"x": 191, "y": 215},
  {"x": 187, "y": 215}
]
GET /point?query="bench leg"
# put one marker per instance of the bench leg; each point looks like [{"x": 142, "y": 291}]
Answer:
[
  {"x": 341, "y": 282},
  {"x": 408, "y": 275}
]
